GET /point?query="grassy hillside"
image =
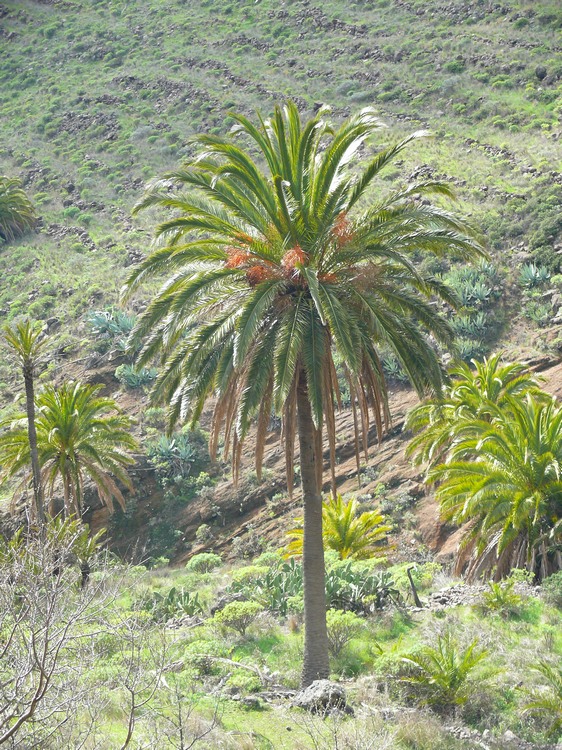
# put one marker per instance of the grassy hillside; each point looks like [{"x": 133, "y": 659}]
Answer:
[{"x": 97, "y": 97}]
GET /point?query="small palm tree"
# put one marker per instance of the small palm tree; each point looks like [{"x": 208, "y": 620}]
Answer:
[
  {"x": 504, "y": 480},
  {"x": 473, "y": 395},
  {"x": 350, "y": 534},
  {"x": 273, "y": 268},
  {"x": 547, "y": 700},
  {"x": 17, "y": 214},
  {"x": 444, "y": 673},
  {"x": 79, "y": 435},
  {"x": 26, "y": 342}
]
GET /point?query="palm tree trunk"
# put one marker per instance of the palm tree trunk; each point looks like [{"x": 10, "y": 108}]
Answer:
[
  {"x": 32, "y": 435},
  {"x": 316, "y": 662}
]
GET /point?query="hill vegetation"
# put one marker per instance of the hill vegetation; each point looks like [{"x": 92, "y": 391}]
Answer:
[{"x": 100, "y": 98}]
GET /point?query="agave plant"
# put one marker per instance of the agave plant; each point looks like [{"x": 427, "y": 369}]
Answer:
[
  {"x": 17, "y": 214},
  {"x": 532, "y": 275},
  {"x": 350, "y": 534},
  {"x": 470, "y": 326},
  {"x": 354, "y": 589},
  {"x": 276, "y": 586},
  {"x": 164, "y": 607},
  {"x": 131, "y": 377}
]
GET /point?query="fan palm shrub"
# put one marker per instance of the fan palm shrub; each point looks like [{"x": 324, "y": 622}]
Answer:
[
  {"x": 502, "y": 479},
  {"x": 17, "y": 214},
  {"x": 349, "y": 533},
  {"x": 80, "y": 435},
  {"x": 275, "y": 261}
]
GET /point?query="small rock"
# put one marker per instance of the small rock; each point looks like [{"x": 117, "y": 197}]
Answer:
[{"x": 540, "y": 72}]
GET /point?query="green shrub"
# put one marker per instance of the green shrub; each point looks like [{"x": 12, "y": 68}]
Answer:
[
  {"x": 552, "y": 589},
  {"x": 455, "y": 66},
  {"x": 342, "y": 628},
  {"x": 539, "y": 312},
  {"x": 203, "y": 655},
  {"x": 238, "y": 615},
  {"x": 203, "y": 563},
  {"x": 249, "y": 575},
  {"x": 244, "y": 681}
]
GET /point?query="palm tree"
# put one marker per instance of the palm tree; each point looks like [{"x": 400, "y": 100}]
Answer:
[
  {"x": 504, "y": 479},
  {"x": 351, "y": 534},
  {"x": 25, "y": 341},
  {"x": 546, "y": 700},
  {"x": 472, "y": 395},
  {"x": 445, "y": 674},
  {"x": 17, "y": 214},
  {"x": 80, "y": 435},
  {"x": 272, "y": 267}
]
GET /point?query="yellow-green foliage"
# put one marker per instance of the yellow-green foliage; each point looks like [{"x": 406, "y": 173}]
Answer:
[
  {"x": 238, "y": 615},
  {"x": 342, "y": 628},
  {"x": 444, "y": 675},
  {"x": 346, "y": 531}
]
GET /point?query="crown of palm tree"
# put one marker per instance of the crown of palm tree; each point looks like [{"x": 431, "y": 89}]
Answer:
[
  {"x": 17, "y": 214},
  {"x": 472, "y": 395},
  {"x": 26, "y": 342},
  {"x": 347, "y": 532},
  {"x": 272, "y": 266},
  {"x": 505, "y": 480},
  {"x": 79, "y": 435}
]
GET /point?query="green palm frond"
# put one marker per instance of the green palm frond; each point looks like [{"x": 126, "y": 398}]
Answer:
[
  {"x": 17, "y": 214},
  {"x": 546, "y": 699},
  {"x": 351, "y": 534},
  {"x": 474, "y": 395},
  {"x": 445, "y": 673},
  {"x": 502, "y": 476},
  {"x": 79, "y": 434}
]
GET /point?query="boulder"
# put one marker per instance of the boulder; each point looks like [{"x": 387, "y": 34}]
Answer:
[{"x": 322, "y": 697}]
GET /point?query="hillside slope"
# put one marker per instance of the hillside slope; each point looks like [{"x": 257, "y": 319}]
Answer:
[{"x": 98, "y": 97}]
